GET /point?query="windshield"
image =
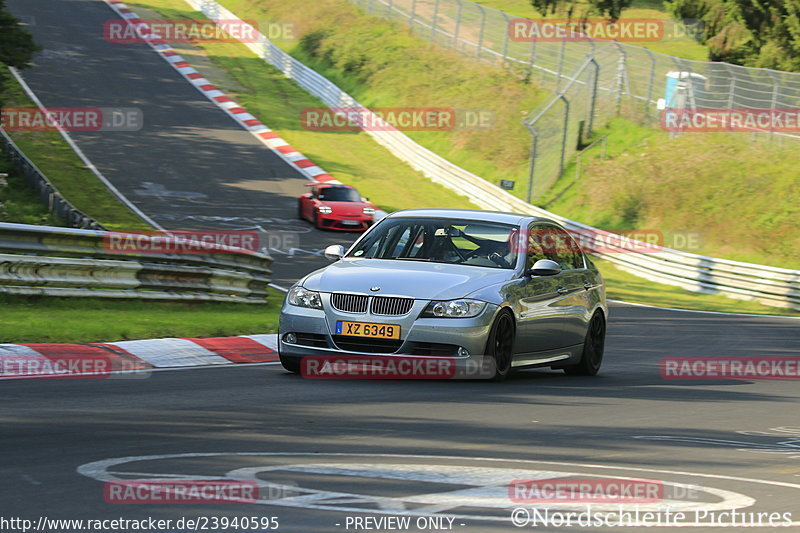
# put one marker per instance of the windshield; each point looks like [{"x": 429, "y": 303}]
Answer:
[
  {"x": 339, "y": 194},
  {"x": 440, "y": 240}
]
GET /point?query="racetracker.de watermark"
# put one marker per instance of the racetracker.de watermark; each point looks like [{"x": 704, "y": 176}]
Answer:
[
  {"x": 708, "y": 120},
  {"x": 396, "y": 118},
  {"x": 730, "y": 368},
  {"x": 396, "y": 367},
  {"x": 194, "y": 31},
  {"x": 195, "y": 491},
  {"x": 71, "y": 366},
  {"x": 182, "y": 242},
  {"x": 599, "y": 490},
  {"x": 586, "y": 29},
  {"x": 555, "y": 241},
  {"x": 72, "y": 119}
]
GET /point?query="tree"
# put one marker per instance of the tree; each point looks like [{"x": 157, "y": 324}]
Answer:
[
  {"x": 607, "y": 8},
  {"x": 16, "y": 44},
  {"x": 756, "y": 33}
]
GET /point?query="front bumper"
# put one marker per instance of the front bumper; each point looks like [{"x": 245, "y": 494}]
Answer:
[
  {"x": 314, "y": 331},
  {"x": 344, "y": 223}
]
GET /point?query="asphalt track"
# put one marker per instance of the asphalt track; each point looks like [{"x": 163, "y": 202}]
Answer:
[
  {"x": 418, "y": 448},
  {"x": 190, "y": 166}
]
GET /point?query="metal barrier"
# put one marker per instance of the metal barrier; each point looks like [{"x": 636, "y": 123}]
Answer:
[
  {"x": 48, "y": 193},
  {"x": 74, "y": 262},
  {"x": 768, "y": 285}
]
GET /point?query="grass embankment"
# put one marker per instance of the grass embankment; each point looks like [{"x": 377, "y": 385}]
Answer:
[
  {"x": 50, "y": 319},
  {"x": 65, "y": 170},
  {"x": 739, "y": 196},
  {"x": 676, "y": 41},
  {"x": 47, "y": 319},
  {"x": 278, "y": 103}
]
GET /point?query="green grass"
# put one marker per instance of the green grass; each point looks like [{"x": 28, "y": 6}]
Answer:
[
  {"x": 65, "y": 170},
  {"x": 51, "y": 319},
  {"x": 739, "y": 196},
  {"x": 19, "y": 203},
  {"x": 675, "y": 41},
  {"x": 374, "y": 82}
]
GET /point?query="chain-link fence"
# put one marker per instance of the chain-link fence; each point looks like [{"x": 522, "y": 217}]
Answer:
[{"x": 622, "y": 78}]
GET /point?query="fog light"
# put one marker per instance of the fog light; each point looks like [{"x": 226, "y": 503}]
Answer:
[
  {"x": 462, "y": 352},
  {"x": 290, "y": 338}
]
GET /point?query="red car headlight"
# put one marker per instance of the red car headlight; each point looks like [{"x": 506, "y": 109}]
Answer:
[{"x": 325, "y": 210}]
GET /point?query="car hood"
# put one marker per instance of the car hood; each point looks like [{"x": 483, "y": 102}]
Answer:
[
  {"x": 346, "y": 208},
  {"x": 412, "y": 279}
]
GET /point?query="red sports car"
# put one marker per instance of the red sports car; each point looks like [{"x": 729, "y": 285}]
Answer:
[{"x": 336, "y": 207}]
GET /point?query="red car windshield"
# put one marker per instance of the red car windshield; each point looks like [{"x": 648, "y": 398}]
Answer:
[{"x": 339, "y": 194}]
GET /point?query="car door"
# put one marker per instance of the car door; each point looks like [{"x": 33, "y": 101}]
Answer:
[
  {"x": 573, "y": 282},
  {"x": 540, "y": 313}
]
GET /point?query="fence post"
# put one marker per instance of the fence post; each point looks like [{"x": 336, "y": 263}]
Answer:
[
  {"x": 532, "y": 170},
  {"x": 650, "y": 83},
  {"x": 593, "y": 101},
  {"x": 413, "y": 15},
  {"x": 564, "y": 135},
  {"x": 620, "y": 77},
  {"x": 532, "y": 59},
  {"x": 458, "y": 23},
  {"x": 389, "y": 8},
  {"x": 506, "y": 36},
  {"x": 433, "y": 22},
  {"x": 560, "y": 63},
  {"x": 483, "y": 29}
]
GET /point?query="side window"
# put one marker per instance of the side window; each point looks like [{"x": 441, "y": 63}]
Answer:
[{"x": 550, "y": 242}]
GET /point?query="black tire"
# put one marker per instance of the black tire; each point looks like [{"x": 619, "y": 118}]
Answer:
[
  {"x": 300, "y": 210},
  {"x": 593, "y": 345},
  {"x": 500, "y": 345}
]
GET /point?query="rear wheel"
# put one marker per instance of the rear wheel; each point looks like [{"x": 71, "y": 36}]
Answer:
[
  {"x": 300, "y": 210},
  {"x": 500, "y": 345},
  {"x": 593, "y": 346}
]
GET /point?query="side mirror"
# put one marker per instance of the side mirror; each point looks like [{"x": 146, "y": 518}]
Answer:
[
  {"x": 334, "y": 252},
  {"x": 544, "y": 267}
]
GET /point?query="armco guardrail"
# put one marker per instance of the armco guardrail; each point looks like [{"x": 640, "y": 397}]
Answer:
[
  {"x": 47, "y": 192},
  {"x": 73, "y": 262},
  {"x": 772, "y": 286}
]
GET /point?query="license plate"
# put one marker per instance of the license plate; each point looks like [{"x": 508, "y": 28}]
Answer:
[
  {"x": 365, "y": 329},
  {"x": 351, "y": 222}
]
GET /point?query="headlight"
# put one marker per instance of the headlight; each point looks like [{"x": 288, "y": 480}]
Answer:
[
  {"x": 325, "y": 210},
  {"x": 304, "y": 298},
  {"x": 369, "y": 210},
  {"x": 454, "y": 309}
]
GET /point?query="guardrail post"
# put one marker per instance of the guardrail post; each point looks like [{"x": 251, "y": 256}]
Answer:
[
  {"x": 413, "y": 15},
  {"x": 389, "y": 8},
  {"x": 483, "y": 29}
]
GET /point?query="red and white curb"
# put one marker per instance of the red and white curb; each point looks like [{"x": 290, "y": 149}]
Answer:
[
  {"x": 269, "y": 138},
  {"x": 44, "y": 360}
]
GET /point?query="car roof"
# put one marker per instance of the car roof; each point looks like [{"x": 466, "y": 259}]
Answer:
[
  {"x": 469, "y": 214},
  {"x": 332, "y": 185}
]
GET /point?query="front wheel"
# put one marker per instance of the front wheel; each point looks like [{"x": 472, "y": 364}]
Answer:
[
  {"x": 593, "y": 345},
  {"x": 500, "y": 345}
]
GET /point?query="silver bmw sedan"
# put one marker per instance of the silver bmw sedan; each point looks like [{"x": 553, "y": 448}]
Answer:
[{"x": 461, "y": 284}]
